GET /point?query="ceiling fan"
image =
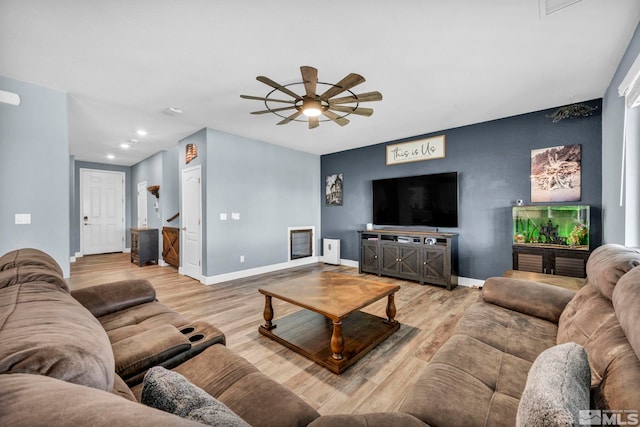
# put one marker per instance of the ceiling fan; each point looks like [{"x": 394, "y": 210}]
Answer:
[{"x": 310, "y": 105}]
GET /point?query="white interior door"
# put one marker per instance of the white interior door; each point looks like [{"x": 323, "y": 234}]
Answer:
[
  {"x": 191, "y": 223},
  {"x": 142, "y": 204},
  {"x": 101, "y": 211}
]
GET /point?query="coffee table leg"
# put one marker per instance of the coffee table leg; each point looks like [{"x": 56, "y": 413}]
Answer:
[
  {"x": 391, "y": 309},
  {"x": 337, "y": 341},
  {"x": 268, "y": 313}
]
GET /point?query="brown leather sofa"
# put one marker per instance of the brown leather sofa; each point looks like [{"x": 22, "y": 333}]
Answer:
[{"x": 475, "y": 379}]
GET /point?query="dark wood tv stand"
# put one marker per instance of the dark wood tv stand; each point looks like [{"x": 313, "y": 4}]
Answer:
[{"x": 423, "y": 256}]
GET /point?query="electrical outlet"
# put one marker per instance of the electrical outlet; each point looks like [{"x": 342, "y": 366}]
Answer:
[
  {"x": 241, "y": 258},
  {"x": 23, "y": 218}
]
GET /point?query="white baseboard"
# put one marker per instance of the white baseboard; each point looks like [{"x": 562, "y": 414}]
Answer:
[
  {"x": 72, "y": 259},
  {"x": 161, "y": 263},
  {"x": 470, "y": 283},
  {"x": 126, "y": 251},
  {"x": 212, "y": 280}
]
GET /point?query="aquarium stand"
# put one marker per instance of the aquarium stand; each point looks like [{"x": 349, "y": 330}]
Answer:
[
  {"x": 423, "y": 256},
  {"x": 560, "y": 261}
]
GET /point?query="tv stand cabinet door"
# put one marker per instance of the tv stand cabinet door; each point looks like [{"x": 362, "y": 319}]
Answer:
[
  {"x": 370, "y": 258},
  {"x": 400, "y": 261},
  {"x": 435, "y": 267}
]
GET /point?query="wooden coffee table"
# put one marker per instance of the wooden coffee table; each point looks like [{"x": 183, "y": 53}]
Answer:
[{"x": 331, "y": 330}]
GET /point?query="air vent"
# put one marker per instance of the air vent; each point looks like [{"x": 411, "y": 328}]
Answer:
[{"x": 547, "y": 7}]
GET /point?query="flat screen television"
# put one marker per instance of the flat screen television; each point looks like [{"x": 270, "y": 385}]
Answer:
[{"x": 424, "y": 200}]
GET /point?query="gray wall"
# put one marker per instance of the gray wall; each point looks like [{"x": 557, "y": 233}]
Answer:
[
  {"x": 493, "y": 160},
  {"x": 75, "y": 211},
  {"x": 169, "y": 190},
  {"x": 271, "y": 187},
  {"x": 159, "y": 169},
  {"x": 200, "y": 140},
  {"x": 34, "y": 171},
  {"x": 612, "y": 130},
  {"x": 151, "y": 171}
]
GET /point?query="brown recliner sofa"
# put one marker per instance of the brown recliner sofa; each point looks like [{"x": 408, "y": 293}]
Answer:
[
  {"x": 70, "y": 359},
  {"x": 477, "y": 377}
]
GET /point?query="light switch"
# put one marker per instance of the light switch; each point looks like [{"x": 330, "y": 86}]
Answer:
[
  {"x": 223, "y": 217},
  {"x": 235, "y": 216},
  {"x": 23, "y": 218}
]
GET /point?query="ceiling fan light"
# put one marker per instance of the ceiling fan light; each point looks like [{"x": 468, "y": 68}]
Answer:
[
  {"x": 311, "y": 108},
  {"x": 311, "y": 112}
]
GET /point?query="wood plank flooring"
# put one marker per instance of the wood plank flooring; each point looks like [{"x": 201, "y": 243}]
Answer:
[{"x": 378, "y": 382}]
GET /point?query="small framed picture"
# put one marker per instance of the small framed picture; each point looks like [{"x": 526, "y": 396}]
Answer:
[{"x": 333, "y": 189}]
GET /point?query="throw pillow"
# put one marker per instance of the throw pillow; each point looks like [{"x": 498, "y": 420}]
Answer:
[
  {"x": 171, "y": 392},
  {"x": 557, "y": 388}
]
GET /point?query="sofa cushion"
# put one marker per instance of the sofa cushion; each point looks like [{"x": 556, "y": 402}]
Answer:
[
  {"x": 43, "y": 330},
  {"x": 38, "y": 401},
  {"x": 171, "y": 392},
  {"x": 626, "y": 303},
  {"x": 140, "y": 352},
  {"x": 488, "y": 381},
  {"x": 607, "y": 264},
  {"x": 135, "y": 320},
  {"x": 557, "y": 388},
  {"x": 29, "y": 257},
  {"x": 503, "y": 329},
  {"x": 377, "y": 419},
  {"x": 238, "y": 384}
]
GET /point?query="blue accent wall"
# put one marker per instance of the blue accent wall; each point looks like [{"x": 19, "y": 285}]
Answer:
[
  {"x": 34, "y": 171},
  {"x": 493, "y": 160}
]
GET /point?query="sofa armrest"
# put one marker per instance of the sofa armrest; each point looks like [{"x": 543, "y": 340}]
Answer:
[
  {"x": 533, "y": 298},
  {"x": 108, "y": 298}
]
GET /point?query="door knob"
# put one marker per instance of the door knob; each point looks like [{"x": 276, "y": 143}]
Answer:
[{"x": 184, "y": 228}]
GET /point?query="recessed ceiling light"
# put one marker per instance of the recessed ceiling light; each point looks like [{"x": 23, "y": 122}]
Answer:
[
  {"x": 110, "y": 156},
  {"x": 125, "y": 145},
  {"x": 173, "y": 111},
  {"x": 141, "y": 132}
]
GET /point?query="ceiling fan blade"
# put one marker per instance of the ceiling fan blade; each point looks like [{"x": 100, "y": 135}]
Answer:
[
  {"x": 361, "y": 111},
  {"x": 269, "y": 82},
  {"x": 313, "y": 122},
  {"x": 258, "y": 98},
  {"x": 361, "y": 97},
  {"x": 334, "y": 117},
  {"x": 345, "y": 84},
  {"x": 290, "y": 118},
  {"x": 273, "y": 110},
  {"x": 310, "y": 79}
]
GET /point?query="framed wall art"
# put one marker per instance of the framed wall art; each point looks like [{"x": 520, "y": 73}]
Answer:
[
  {"x": 333, "y": 189},
  {"x": 556, "y": 174}
]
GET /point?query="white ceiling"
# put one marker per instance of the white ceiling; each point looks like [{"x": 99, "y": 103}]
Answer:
[{"x": 438, "y": 64}]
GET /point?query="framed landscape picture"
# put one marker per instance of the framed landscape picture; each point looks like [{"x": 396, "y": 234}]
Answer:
[
  {"x": 556, "y": 174},
  {"x": 333, "y": 189}
]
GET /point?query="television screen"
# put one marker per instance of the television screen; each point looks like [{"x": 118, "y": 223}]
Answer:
[{"x": 425, "y": 200}]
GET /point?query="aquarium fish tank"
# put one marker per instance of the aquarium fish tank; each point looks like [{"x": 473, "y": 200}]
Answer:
[{"x": 565, "y": 226}]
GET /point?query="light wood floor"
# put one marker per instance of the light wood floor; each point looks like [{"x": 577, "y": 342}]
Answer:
[{"x": 378, "y": 382}]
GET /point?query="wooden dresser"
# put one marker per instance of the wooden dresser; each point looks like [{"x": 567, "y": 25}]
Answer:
[
  {"x": 144, "y": 245},
  {"x": 171, "y": 246}
]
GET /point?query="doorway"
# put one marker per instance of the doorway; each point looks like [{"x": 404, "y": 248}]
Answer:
[
  {"x": 191, "y": 223},
  {"x": 142, "y": 204},
  {"x": 101, "y": 211}
]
